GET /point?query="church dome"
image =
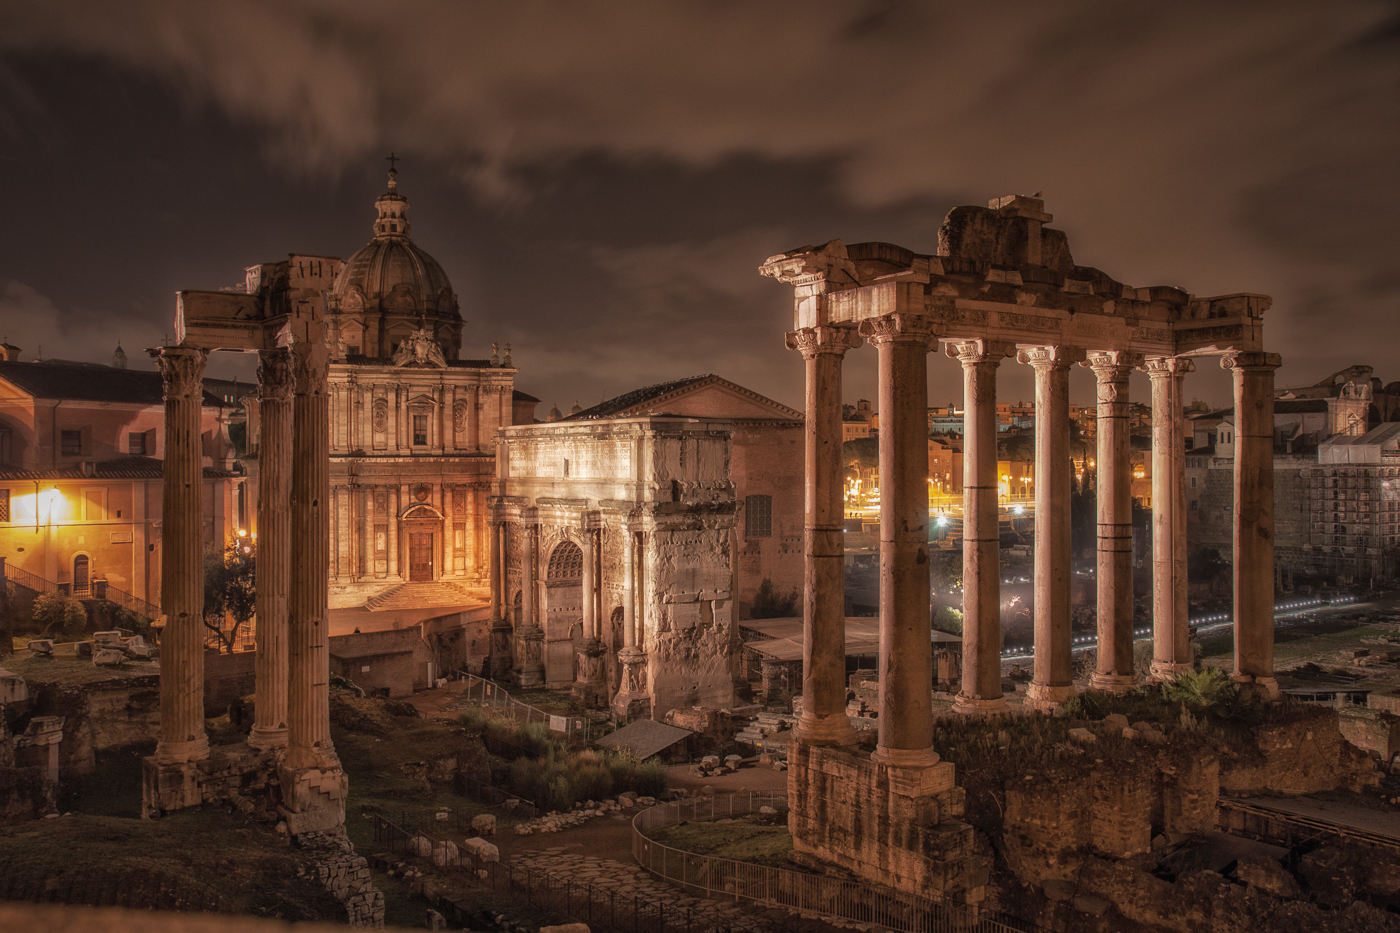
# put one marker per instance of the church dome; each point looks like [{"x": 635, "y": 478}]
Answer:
[{"x": 391, "y": 287}]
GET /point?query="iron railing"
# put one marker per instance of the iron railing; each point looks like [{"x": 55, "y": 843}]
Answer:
[{"x": 575, "y": 728}]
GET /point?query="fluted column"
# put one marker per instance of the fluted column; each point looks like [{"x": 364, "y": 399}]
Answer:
[
  {"x": 823, "y": 720},
  {"x": 1254, "y": 518},
  {"x": 530, "y": 635},
  {"x": 308, "y": 655},
  {"x": 590, "y": 688},
  {"x": 1052, "y": 682},
  {"x": 631, "y": 701},
  {"x": 981, "y": 678},
  {"x": 629, "y": 587},
  {"x": 1115, "y": 507},
  {"x": 497, "y": 590},
  {"x": 274, "y": 547},
  {"x": 906, "y": 650},
  {"x": 182, "y": 736},
  {"x": 1171, "y": 636}
]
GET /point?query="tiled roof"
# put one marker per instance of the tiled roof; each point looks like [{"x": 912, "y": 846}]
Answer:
[
  {"x": 519, "y": 396},
  {"x": 89, "y": 382},
  {"x": 634, "y": 398},
  {"x": 121, "y": 468},
  {"x": 644, "y": 738}
]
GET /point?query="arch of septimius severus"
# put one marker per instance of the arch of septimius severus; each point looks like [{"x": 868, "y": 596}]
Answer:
[{"x": 1002, "y": 286}]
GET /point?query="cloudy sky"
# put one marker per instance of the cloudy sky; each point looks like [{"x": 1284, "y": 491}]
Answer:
[{"x": 601, "y": 180}]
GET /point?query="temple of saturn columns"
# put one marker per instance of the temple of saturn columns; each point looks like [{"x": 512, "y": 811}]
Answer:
[
  {"x": 285, "y": 324},
  {"x": 1002, "y": 286}
]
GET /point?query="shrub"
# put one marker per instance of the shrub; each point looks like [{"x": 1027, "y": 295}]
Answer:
[
  {"x": 948, "y": 620},
  {"x": 768, "y": 603},
  {"x": 1200, "y": 689},
  {"x": 54, "y": 611}
]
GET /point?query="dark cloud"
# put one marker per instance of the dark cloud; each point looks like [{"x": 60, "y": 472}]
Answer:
[{"x": 601, "y": 179}]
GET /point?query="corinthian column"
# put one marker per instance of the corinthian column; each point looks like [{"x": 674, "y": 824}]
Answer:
[
  {"x": 906, "y": 650},
  {"x": 274, "y": 546},
  {"x": 823, "y": 720},
  {"x": 308, "y": 649},
  {"x": 1254, "y": 518},
  {"x": 182, "y": 735},
  {"x": 981, "y": 678},
  {"x": 1052, "y": 683},
  {"x": 1171, "y": 637},
  {"x": 1115, "y": 506},
  {"x": 531, "y": 636}
]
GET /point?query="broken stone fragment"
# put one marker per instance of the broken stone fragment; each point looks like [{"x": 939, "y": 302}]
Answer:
[{"x": 1082, "y": 735}]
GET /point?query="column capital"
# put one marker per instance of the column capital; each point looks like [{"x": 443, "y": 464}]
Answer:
[
  {"x": 910, "y": 328},
  {"x": 1112, "y": 365},
  {"x": 1246, "y": 360},
  {"x": 1051, "y": 357},
  {"x": 275, "y": 374},
  {"x": 1163, "y": 366},
  {"x": 181, "y": 371},
  {"x": 309, "y": 366},
  {"x": 981, "y": 350},
  {"x": 811, "y": 341}
]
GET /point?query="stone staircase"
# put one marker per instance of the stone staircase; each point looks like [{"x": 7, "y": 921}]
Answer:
[{"x": 421, "y": 596}]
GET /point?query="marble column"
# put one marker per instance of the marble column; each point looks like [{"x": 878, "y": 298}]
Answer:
[
  {"x": 590, "y": 688},
  {"x": 391, "y": 518},
  {"x": 631, "y": 701},
  {"x": 274, "y": 547},
  {"x": 1115, "y": 512},
  {"x": 823, "y": 720},
  {"x": 308, "y": 655},
  {"x": 530, "y": 635},
  {"x": 182, "y": 737},
  {"x": 981, "y": 678},
  {"x": 499, "y": 664},
  {"x": 1171, "y": 636},
  {"x": 1052, "y": 682},
  {"x": 1254, "y": 518},
  {"x": 906, "y": 650}
]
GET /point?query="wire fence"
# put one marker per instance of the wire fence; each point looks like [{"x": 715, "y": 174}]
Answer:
[
  {"x": 575, "y": 728},
  {"x": 794, "y": 891}
]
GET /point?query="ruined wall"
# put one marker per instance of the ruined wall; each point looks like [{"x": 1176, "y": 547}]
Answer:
[
  {"x": 25, "y": 794},
  {"x": 100, "y": 716},
  {"x": 1212, "y": 523},
  {"x": 1305, "y": 756},
  {"x": 768, "y": 461},
  {"x": 396, "y": 660}
]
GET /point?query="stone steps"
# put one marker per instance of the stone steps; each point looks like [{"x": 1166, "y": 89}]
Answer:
[{"x": 420, "y": 595}]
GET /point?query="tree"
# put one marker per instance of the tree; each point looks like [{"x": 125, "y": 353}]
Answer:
[
  {"x": 768, "y": 604},
  {"x": 948, "y": 620},
  {"x": 54, "y": 610},
  {"x": 861, "y": 454},
  {"x": 230, "y": 589}
]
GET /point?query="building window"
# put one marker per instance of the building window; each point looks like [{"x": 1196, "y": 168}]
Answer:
[
  {"x": 1193, "y": 482},
  {"x": 420, "y": 430},
  {"x": 758, "y": 516},
  {"x": 136, "y": 443},
  {"x": 71, "y": 443},
  {"x": 4, "y": 505}
]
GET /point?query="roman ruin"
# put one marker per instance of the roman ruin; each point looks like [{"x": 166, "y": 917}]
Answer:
[{"x": 1002, "y": 284}]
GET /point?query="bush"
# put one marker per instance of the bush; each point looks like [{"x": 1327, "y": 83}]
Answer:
[
  {"x": 948, "y": 620},
  {"x": 1199, "y": 689},
  {"x": 60, "y": 613}
]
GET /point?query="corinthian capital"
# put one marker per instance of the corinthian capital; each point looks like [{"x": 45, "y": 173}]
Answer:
[
  {"x": 181, "y": 371},
  {"x": 810, "y": 341},
  {"x": 275, "y": 374},
  {"x": 1112, "y": 365},
  {"x": 1163, "y": 366},
  {"x": 982, "y": 350},
  {"x": 309, "y": 366},
  {"x": 1050, "y": 357},
  {"x": 914, "y": 328}
]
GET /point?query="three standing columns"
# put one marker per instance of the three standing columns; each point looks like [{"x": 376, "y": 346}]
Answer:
[
  {"x": 906, "y": 648},
  {"x": 1052, "y": 682},
  {"x": 981, "y": 678},
  {"x": 1115, "y": 507},
  {"x": 1254, "y": 518},
  {"x": 182, "y": 736},
  {"x": 274, "y": 546},
  {"x": 823, "y": 720},
  {"x": 1171, "y": 635}
]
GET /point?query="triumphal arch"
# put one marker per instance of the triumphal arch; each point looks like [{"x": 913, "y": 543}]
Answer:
[{"x": 1002, "y": 286}]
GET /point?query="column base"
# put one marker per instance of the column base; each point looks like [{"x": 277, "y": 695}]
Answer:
[
  {"x": 1112, "y": 683},
  {"x": 313, "y": 799},
  {"x": 267, "y": 739},
  {"x": 590, "y": 690},
  {"x": 531, "y": 673},
  {"x": 629, "y": 707},
  {"x": 1265, "y": 688},
  {"x": 1168, "y": 670},
  {"x": 167, "y": 786},
  {"x": 978, "y": 706},
  {"x": 831, "y": 731},
  {"x": 905, "y": 757},
  {"x": 173, "y": 753},
  {"x": 1046, "y": 698}
]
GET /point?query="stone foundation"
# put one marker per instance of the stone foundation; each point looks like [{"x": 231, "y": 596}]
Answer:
[
  {"x": 345, "y": 875},
  {"x": 231, "y": 772},
  {"x": 894, "y": 826},
  {"x": 313, "y": 799}
]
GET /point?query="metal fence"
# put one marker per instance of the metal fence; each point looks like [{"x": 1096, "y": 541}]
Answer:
[
  {"x": 575, "y": 728},
  {"x": 794, "y": 891}
]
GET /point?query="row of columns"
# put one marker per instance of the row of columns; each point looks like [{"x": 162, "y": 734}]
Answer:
[{"x": 902, "y": 342}]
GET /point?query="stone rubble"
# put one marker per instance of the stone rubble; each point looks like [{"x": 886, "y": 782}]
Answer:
[{"x": 332, "y": 862}]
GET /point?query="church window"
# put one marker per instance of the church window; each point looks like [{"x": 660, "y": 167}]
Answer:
[
  {"x": 420, "y": 430},
  {"x": 71, "y": 443},
  {"x": 136, "y": 443},
  {"x": 352, "y": 350},
  {"x": 4, "y": 505},
  {"x": 758, "y": 516}
]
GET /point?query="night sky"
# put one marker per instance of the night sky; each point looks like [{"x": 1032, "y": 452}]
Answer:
[{"x": 602, "y": 180}]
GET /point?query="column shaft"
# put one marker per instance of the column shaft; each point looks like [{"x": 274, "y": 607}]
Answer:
[
  {"x": 274, "y": 547},
  {"x": 497, "y": 599},
  {"x": 1052, "y": 682},
  {"x": 1115, "y": 507},
  {"x": 182, "y": 736},
  {"x": 981, "y": 678},
  {"x": 906, "y": 649},
  {"x": 1254, "y": 518},
  {"x": 629, "y": 587},
  {"x": 1171, "y": 636},
  {"x": 823, "y": 720},
  {"x": 590, "y": 577},
  {"x": 527, "y": 578},
  {"x": 391, "y": 517}
]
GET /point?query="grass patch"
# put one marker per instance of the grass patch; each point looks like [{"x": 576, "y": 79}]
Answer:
[
  {"x": 71, "y": 669},
  {"x": 753, "y": 837}
]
